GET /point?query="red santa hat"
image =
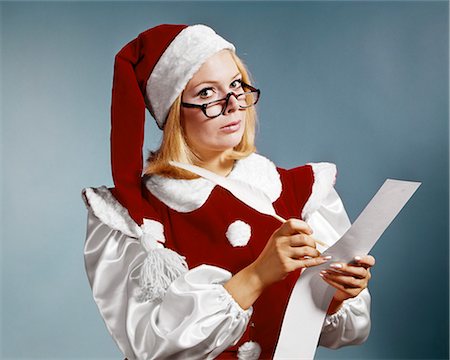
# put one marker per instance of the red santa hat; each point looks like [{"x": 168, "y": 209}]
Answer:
[{"x": 150, "y": 72}]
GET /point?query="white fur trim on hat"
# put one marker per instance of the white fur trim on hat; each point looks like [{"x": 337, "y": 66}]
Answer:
[
  {"x": 176, "y": 66},
  {"x": 238, "y": 233},
  {"x": 324, "y": 179}
]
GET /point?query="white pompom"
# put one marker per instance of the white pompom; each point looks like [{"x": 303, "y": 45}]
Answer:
[
  {"x": 238, "y": 233},
  {"x": 153, "y": 234},
  {"x": 249, "y": 351}
]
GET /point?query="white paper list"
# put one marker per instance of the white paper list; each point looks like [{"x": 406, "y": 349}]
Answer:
[{"x": 311, "y": 296}]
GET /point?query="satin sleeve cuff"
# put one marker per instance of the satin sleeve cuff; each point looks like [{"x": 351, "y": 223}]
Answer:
[
  {"x": 350, "y": 325},
  {"x": 198, "y": 318}
]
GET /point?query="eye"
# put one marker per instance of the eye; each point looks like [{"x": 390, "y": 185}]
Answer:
[
  {"x": 236, "y": 84},
  {"x": 205, "y": 93}
]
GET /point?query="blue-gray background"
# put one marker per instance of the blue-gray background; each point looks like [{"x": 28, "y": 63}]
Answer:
[{"x": 362, "y": 84}]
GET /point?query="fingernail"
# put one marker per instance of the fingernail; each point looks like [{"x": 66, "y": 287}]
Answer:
[
  {"x": 327, "y": 257},
  {"x": 323, "y": 272},
  {"x": 321, "y": 275},
  {"x": 358, "y": 258},
  {"x": 336, "y": 266}
]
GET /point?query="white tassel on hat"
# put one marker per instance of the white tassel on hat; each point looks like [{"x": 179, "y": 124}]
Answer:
[{"x": 161, "y": 266}]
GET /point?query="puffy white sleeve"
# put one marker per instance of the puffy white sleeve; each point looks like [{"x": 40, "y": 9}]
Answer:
[
  {"x": 194, "y": 318},
  {"x": 326, "y": 215}
]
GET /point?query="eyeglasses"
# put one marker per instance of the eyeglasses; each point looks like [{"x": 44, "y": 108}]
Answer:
[{"x": 215, "y": 108}]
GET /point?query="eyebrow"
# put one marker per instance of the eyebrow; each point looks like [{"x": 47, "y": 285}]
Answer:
[{"x": 213, "y": 82}]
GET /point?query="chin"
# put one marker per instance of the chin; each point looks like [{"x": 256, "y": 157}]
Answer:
[
  {"x": 222, "y": 143},
  {"x": 232, "y": 143}
]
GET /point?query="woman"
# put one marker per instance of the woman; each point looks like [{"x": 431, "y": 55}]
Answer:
[{"x": 145, "y": 233}]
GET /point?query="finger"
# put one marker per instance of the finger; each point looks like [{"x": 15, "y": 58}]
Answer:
[
  {"x": 300, "y": 252},
  {"x": 366, "y": 261},
  {"x": 301, "y": 240},
  {"x": 349, "y": 292},
  {"x": 349, "y": 269},
  {"x": 346, "y": 282},
  {"x": 293, "y": 226},
  {"x": 307, "y": 263}
]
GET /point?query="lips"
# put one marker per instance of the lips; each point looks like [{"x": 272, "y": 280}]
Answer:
[{"x": 231, "y": 124}]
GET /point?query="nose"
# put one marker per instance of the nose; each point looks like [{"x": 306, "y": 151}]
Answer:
[{"x": 233, "y": 104}]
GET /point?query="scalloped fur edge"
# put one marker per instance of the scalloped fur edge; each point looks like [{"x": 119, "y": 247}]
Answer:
[
  {"x": 106, "y": 207},
  {"x": 324, "y": 180}
]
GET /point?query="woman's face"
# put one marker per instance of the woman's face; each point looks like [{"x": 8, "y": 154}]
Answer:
[{"x": 218, "y": 76}]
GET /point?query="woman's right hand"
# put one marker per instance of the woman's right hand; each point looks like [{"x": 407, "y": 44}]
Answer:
[{"x": 289, "y": 248}]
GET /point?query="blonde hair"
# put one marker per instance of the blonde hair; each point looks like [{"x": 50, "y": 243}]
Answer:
[{"x": 175, "y": 147}]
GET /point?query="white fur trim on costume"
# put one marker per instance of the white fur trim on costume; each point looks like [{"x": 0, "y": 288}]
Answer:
[
  {"x": 189, "y": 195},
  {"x": 180, "y": 195},
  {"x": 259, "y": 172},
  {"x": 106, "y": 207},
  {"x": 249, "y": 350},
  {"x": 238, "y": 233},
  {"x": 324, "y": 179},
  {"x": 176, "y": 66},
  {"x": 161, "y": 265}
]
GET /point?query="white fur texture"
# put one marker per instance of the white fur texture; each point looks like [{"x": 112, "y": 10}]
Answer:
[
  {"x": 189, "y": 195},
  {"x": 249, "y": 350},
  {"x": 324, "y": 179},
  {"x": 153, "y": 234},
  {"x": 180, "y": 195},
  {"x": 179, "y": 62},
  {"x": 259, "y": 172},
  {"x": 105, "y": 206},
  {"x": 238, "y": 233}
]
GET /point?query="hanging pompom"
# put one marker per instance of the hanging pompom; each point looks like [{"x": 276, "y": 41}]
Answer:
[{"x": 160, "y": 268}]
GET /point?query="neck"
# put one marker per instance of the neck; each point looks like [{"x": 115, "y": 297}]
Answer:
[{"x": 218, "y": 163}]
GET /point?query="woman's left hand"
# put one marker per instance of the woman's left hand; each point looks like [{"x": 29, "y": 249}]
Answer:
[{"x": 349, "y": 279}]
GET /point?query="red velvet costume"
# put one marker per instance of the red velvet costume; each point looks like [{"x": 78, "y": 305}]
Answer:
[{"x": 206, "y": 228}]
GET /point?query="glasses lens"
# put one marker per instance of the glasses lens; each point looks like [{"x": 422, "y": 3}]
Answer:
[
  {"x": 215, "y": 108},
  {"x": 248, "y": 99},
  {"x": 245, "y": 100}
]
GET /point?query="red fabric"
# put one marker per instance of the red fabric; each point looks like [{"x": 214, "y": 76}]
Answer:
[
  {"x": 200, "y": 236},
  {"x": 133, "y": 66}
]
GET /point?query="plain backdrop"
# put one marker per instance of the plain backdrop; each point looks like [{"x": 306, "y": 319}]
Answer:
[{"x": 362, "y": 84}]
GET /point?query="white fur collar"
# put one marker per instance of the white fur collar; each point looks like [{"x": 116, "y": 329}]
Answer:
[{"x": 189, "y": 195}]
